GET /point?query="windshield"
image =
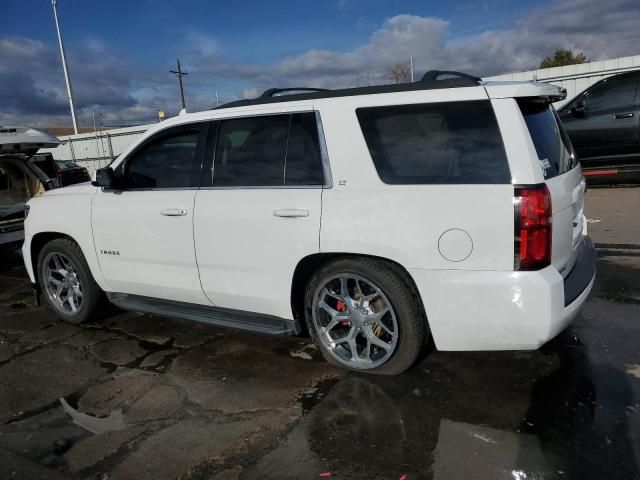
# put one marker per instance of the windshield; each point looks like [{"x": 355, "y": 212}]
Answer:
[{"x": 552, "y": 143}]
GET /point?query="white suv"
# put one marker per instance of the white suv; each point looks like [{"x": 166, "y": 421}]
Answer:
[{"x": 374, "y": 218}]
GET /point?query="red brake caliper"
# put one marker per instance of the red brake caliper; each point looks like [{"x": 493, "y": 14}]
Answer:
[{"x": 341, "y": 307}]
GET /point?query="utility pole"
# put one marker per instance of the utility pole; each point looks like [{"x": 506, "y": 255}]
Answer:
[
  {"x": 179, "y": 73},
  {"x": 64, "y": 68},
  {"x": 411, "y": 69}
]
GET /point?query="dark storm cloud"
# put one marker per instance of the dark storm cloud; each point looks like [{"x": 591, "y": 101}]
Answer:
[{"x": 32, "y": 82}]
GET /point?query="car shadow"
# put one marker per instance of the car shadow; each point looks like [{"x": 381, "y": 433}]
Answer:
[{"x": 544, "y": 414}]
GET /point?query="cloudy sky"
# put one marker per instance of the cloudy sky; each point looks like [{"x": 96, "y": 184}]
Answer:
[{"x": 119, "y": 51}]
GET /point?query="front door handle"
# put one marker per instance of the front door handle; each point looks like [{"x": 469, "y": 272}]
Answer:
[
  {"x": 291, "y": 212},
  {"x": 173, "y": 212},
  {"x": 623, "y": 115}
]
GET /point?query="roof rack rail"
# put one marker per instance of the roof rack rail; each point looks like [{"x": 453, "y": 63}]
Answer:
[
  {"x": 432, "y": 76},
  {"x": 429, "y": 81},
  {"x": 272, "y": 92}
]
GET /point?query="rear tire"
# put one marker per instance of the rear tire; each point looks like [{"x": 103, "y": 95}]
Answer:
[
  {"x": 66, "y": 281},
  {"x": 379, "y": 315}
]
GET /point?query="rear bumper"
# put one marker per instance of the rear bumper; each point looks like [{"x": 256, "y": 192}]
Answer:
[
  {"x": 582, "y": 273},
  {"x": 499, "y": 310}
]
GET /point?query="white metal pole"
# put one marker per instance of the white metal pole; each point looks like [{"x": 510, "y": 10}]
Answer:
[
  {"x": 412, "y": 69},
  {"x": 64, "y": 68}
]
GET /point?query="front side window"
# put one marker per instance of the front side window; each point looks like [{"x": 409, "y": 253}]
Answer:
[
  {"x": 612, "y": 94},
  {"x": 268, "y": 151},
  {"x": 439, "y": 143},
  {"x": 552, "y": 143},
  {"x": 166, "y": 161}
]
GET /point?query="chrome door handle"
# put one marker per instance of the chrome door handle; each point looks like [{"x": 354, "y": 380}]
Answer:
[
  {"x": 623, "y": 115},
  {"x": 173, "y": 212},
  {"x": 291, "y": 212}
]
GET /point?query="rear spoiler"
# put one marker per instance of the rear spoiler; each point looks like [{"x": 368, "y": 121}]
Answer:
[{"x": 533, "y": 91}]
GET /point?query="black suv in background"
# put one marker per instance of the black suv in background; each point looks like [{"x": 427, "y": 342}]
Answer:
[{"x": 603, "y": 123}]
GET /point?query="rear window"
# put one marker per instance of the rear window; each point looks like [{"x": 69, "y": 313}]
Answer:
[
  {"x": 436, "y": 143},
  {"x": 552, "y": 143}
]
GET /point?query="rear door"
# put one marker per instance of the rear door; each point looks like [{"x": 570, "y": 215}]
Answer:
[
  {"x": 564, "y": 180},
  {"x": 607, "y": 124},
  {"x": 259, "y": 211}
]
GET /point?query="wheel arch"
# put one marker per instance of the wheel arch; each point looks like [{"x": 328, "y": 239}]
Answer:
[
  {"x": 308, "y": 265},
  {"x": 38, "y": 241}
]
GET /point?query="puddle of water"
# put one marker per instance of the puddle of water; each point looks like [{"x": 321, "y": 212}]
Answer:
[{"x": 315, "y": 395}]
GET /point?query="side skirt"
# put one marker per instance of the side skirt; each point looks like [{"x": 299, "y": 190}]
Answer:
[{"x": 223, "y": 317}]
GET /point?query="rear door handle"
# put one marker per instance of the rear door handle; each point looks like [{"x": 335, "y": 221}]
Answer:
[
  {"x": 291, "y": 212},
  {"x": 173, "y": 212},
  {"x": 623, "y": 115}
]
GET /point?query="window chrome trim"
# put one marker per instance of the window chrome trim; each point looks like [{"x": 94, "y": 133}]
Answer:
[
  {"x": 142, "y": 189},
  {"x": 267, "y": 187}
]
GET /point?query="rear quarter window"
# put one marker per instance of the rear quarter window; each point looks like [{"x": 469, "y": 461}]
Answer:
[
  {"x": 555, "y": 153},
  {"x": 437, "y": 143}
]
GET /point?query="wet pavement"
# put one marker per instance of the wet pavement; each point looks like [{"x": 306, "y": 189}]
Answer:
[{"x": 151, "y": 398}]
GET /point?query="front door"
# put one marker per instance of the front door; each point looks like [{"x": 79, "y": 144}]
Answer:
[
  {"x": 143, "y": 231},
  {"x": 261, "y": 213}
]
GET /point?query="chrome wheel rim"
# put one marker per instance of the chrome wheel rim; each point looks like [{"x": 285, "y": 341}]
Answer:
[
  {"x": 355, "y": 321},
  {"x": 62, "y": 283}
]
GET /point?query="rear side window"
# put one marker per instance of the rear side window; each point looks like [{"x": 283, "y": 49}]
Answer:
[
  {"x": 273, "y": 150},
  {"x": 303, "y": 163},
  {"x": 552, "y": 143},
  {"x": 250, "y": 151},
  {"x": 437, "y": 143}
]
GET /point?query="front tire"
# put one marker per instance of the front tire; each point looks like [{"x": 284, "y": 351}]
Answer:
[
  {"x": 66, "y": 281},
  {"x": 365, "y": 316}
]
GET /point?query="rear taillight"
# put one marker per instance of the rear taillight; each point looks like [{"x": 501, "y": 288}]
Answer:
[{"x": 532, "y": 234}]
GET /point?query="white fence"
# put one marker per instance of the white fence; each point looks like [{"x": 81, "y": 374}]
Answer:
[{"x": 95, "y": 150}]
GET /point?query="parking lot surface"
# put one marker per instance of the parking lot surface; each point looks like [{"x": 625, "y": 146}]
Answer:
[{"x": 140, "y": 397}]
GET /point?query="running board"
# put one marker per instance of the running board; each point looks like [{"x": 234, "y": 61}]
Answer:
[{"x": 222, "y": 317}]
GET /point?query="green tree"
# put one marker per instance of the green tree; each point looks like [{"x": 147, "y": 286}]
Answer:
[{"x": 563, "y": 57}]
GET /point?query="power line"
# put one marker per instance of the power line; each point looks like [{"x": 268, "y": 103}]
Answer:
[{"x": 179, "y": 73}]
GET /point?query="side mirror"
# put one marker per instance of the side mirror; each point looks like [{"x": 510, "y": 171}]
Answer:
[
  {"x": 578, "y": 108},
  {"x": 104, "y": 178}
]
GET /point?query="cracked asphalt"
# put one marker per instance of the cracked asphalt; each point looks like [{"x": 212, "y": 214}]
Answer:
[{"x": 141, "y": 397}]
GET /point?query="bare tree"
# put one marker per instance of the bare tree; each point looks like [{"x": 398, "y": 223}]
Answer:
[{"x": 399, "y": 73}]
